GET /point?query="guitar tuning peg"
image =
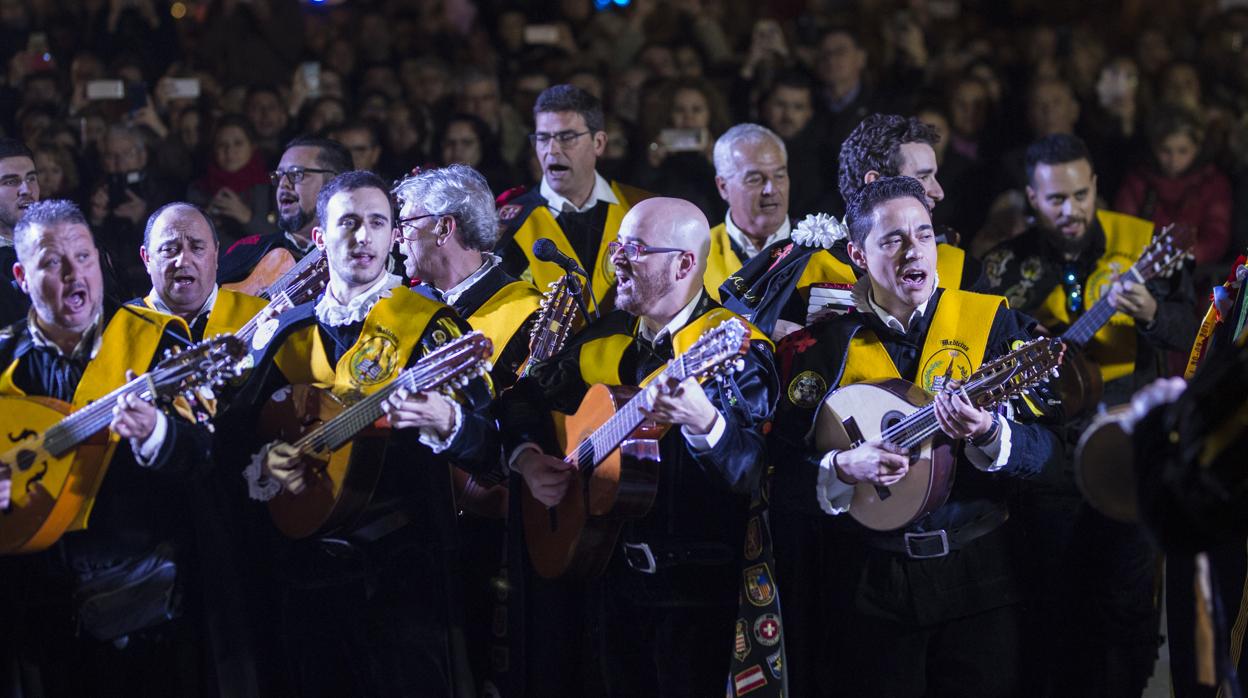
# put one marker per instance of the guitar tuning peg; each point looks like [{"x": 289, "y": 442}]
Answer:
[{"x": 739, "y": 364}]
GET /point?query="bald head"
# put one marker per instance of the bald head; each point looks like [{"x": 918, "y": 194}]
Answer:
[
  {"x": 671, "y": 223},
  {"x": 180, "y": 253},
  {"x": 664, "y": 274}
]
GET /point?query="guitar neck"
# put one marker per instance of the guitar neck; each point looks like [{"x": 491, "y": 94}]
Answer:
[
  {"x": 1082, "y": 331},
  {"x": 278, "y": 287},
  {"x": 922, "y": 425},
  {"x": 422, "y": 377},
  {"x": 71, "y": 431}
]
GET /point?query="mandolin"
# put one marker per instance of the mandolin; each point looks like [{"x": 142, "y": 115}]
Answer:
[
  {"x": 556, "y": 319},
  {"x": 1080, "y": 378},
  {"x": 616, "y": 452},
  {"x": 57, "y": 458},
  {"x": 344, "y": 445},
  {"x": 904, "y": 414}
]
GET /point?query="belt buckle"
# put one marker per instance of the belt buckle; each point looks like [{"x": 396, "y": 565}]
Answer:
[
  {"x": 940, "y": 535},
  {"x": 640, "y": 557}
]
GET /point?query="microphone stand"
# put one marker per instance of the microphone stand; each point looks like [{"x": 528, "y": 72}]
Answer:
[{"x": 578, "y": 292}]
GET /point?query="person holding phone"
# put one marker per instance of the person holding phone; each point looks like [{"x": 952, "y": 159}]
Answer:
[
  {"x": 235, "y": 191},
  {"x": 691, "y": 113}
]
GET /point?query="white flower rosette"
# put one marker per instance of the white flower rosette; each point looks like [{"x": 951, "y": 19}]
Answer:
[{"x": 819, "y": 230}]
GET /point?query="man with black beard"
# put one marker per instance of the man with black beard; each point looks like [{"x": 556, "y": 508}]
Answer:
[
  {"x": 1095, "y": 609},
  {"x": 19, "y": 188},
  {"x": 305, "y": 167}
]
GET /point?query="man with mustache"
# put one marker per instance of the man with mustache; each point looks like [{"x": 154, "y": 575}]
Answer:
[
  {"x": 792, "y": 283},
  {"x": 669, "y": 594},
  {"x": 378, "y": 587},
  {"x": 1101, "y": 596},
  {"x": 574, "y": 206},
  {"x": 932, "y": 608},
  {"x": 306, "y": 165},
  {"x": 19, "y": 188},
  {"x": 74, "y": 348}
]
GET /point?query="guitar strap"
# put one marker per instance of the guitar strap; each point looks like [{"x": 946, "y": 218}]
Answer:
[
  {"x": 1113, "y": 346},
  {"x": 392, "y": 329},
  {"x": 541, "y": 224},
  {"x": 958, "y": 336}
]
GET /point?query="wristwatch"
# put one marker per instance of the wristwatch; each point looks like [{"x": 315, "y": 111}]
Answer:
[{"x": 989, "y": 436}]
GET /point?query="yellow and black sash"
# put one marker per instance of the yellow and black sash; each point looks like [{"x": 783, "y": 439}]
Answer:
[
  {"x": 502, "y": 315},
  {"x": 392, "y": 329},
  {"x": 541, "y": 224},
  {"x": 721, "y": 262},
  {"x": 1113, "y": 346},
  {"x": 129, "y": 343},
  {"x": 958, "y": 336},
  {"x": 230, "y": 312},
  {"x": 600, "y": 358}
]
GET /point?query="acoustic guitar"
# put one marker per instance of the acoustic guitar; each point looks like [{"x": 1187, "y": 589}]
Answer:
[
  {"x": 57, "y": 457},
  {"x": 344, "y": 445},
  {"x": 904, "y": 414},
  {"x": 1080, "y": 378},
  {"x": 267, "y": 273},
  {"x": 615, "y": 450},
  {"x": 300, "y": 284},
  {"x": 556, "y": 320}
]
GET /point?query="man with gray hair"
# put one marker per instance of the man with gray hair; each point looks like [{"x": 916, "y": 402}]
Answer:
[
  {"x": 448, "y": 227},
  {"x": 752, "y": 175}
]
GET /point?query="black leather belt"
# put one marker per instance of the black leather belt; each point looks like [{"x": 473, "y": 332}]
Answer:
[
  {"x": 939, "y": 543},
  {"x": 649, "y": 558}
]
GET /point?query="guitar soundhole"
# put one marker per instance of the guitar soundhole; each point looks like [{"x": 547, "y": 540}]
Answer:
[{"x": 25, "y": 459}]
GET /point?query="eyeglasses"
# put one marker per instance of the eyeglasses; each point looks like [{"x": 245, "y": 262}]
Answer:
[
  {"x": 633, "y": 250},
  {"x": 404, "y": 224},
  {"x": 294, "y": 174},
  {"x": 564, "y": 137},
  {"x": 1074, "y": 289}
]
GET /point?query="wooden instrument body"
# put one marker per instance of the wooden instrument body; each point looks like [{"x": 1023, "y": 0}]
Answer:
[
  {"x": 48, "y": 492},
  {"x": 578, "y": 536},
  {"x": 269, "y": 269},
  {"x": 1080, "y": 383},
  {"x": 1105, "y": 466},
  {"x": 861, "y": 412},
  {"x": 340, "y": 483}
]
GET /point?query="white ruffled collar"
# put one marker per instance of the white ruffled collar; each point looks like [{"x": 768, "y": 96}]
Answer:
[{"x": 330, "y": 312}]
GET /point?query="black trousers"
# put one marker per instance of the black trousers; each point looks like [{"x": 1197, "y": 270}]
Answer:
[
  {"x": 663, "y": 651},
  {"x": 369, "y": 628}
]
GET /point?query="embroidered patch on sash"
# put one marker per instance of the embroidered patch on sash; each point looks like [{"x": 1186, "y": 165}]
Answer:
[
  {"x": 749, "y": 680},
  {"x": 776, "y": 664},
  {"x": 509, "y": 211},
  {"x": 758, "y": 586},
  {"x": 807, "y": 389},
  {"x": 753, "y": 539},
  {"x": 932, "y": 377},
  {"x": 767, "y": 630},
  {"x": 741, "y": 641},
  {"x": 375, "y": 361}
]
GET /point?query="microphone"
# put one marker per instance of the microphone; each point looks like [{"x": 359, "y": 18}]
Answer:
[{"x": 546, "y": 250}]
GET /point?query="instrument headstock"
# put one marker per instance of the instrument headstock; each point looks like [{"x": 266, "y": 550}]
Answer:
[
  {"x": 455, "y": 363},
  {"x": 191, "y": 373},
  {"x": 1010, "y": 375},
  {"x": 1168, "y": 249},
  {"x": 308, "y": 282},
  {"x": 717, "y": 352}
]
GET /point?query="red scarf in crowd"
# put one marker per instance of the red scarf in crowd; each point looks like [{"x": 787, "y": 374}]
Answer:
[{"x": 249, "y": 175}]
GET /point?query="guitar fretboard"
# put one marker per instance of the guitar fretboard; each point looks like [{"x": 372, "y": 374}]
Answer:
[
  {"x": 612, "y": 433},
  {"x": 430, "y": 373},
  {"x": 1085, "y": 327},
  {"x": 76, "y": 428},
  {"x": 279, "y": 286}
]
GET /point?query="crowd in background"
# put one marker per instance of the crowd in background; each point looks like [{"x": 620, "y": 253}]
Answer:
[{"x": 1155, "y": 88}]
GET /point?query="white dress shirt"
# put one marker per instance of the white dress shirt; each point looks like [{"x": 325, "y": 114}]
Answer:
[
  {"x": 558, "y": 204},
  {"x": 746, "y": 243}
]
